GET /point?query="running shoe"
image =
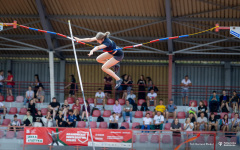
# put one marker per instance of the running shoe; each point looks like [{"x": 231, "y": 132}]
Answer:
[{"x": 118, "y": 83}]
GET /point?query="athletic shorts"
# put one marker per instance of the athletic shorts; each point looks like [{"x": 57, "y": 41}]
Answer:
[
  {"x": 184, "y": 92},
  {"x": 9, "y": 86},
  {"x": 119, "y": 55}
]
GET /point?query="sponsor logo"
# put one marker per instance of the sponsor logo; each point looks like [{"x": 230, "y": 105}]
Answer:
[{"x": 33, "y": 139}]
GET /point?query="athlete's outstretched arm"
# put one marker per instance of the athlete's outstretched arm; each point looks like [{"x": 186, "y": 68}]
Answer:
[
  {"x": 86, "y": 39},
  {"x": 96, "y": 49}
]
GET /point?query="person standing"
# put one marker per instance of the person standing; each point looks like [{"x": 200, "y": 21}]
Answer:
[
  {"x": 141, "y": 87},
  {"x": 108, "y": 81},
  {"x": 185, "y": 89},
  {"x": 1, "y": 81},
  {"x": 10, "y": 83},
  {"x": 73, "y": 86}
]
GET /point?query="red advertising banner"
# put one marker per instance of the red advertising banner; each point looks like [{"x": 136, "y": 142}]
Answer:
[{"x": 77, "y": 136}]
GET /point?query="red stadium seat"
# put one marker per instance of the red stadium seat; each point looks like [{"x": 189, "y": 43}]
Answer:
[
  {"x": 6, "y": 122},
  {"x": 181, "y": 115},
  {"x": 1, "y": 98},
  {"x": 134, "y": 138},
  {"x": 135, "y": 124},
  {"x": 90, "y": 100},
  {"x": 107, "y": 113},
  {"x": 151, "y": 114},
  {"x": 81, "y": 100},
  {"x": 20, "y": 121},
  {"x": 96, "y": 113},
  {"x": 81, "y": 124},
  {"x": 121, "y": 101},
  {"x": 143, "y": 138},
  {"x": 125, "y": 124},
  {"x": 166, "y": 139},
  {"x": 210, "y": 139},
  {"x": 222, "y": 139},
  {"x": 222, "y": 114},
  {"x": 20, "y": 135},
  {"x": 1, "y": 134},
  {"x": 10, "y": 134},
  {"x": 19, "y": 99},
  {"x": 70, "y": 100},
  {"x": 155, "y": 138},
  {"x": 140, "y": 101},
  {"x": 233, "y": 139},
  {"x": 103, "y": 125},
  {"x": 138, "y": 114},
  {"x": 93, "y": 124},
  {"x": 110, "y": 101},
  {"x": 167, "y": 126},
  {"x": 200, "y": 139},
  {"x": 195, "y": 103},
  {"x": 232, "y": 115},
  {"x": 13, "y": 111},
  {"x": 9, "y": 99},
  {"x": 44, "y": 111},
  {"x": 205, "y": 103}
]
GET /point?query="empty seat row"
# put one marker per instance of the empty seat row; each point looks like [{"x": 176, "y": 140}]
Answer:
[{"x": 11, "y": 134}]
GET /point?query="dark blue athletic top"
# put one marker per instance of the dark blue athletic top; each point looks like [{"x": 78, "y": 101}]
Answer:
[{"x": 111, "y": 45}]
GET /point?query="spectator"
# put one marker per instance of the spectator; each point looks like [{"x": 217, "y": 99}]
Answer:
[
  {"x": 48, "y": 120},
  {"x": 131, "y": 97},
  {"x": 117, "y": 108},
  {"x": 108, "y": 86},
  {"x": 10, "y": 83},
  {"x": 176, "y": 128},
  {"x": 188, "y": 125},
  {"x": 84, "y": 110},
  {"x": 99, "y": 98},
  {"x": 160, "y": 108},
  {"x": 141, "y": 87},
  {"x": 152, "y": 98},
  {"x": 224, "y": 107},
  {"x": 192, "y": 109},
  {"x": 125, "y": 82},
  {"x": 202, "y": 122},
  {"x": 235, "y": 123},
  {"x": 1, "y": 81},
  {"x": 214, "y": 102},
  {"x": 71, "y": 120},
  {"x": 29, "y": 95},
  {"x": 53, "y": 106},
  {"x": 149, "y": 83},
  {"x": 202, "y": 108},
  {"x": 31, "y": 108},
  {"x": 224, "y": 97},
  {"x": 147, "y": 121},
  {"x": 37, "y": 121},
  {"x": 14, "y": 125},
  {"x": 65, "y": 107},
  {"x": 124, "y": 96},
  {"x": 40, "y": 95},
  {"x": 3, "y": 109},
  {"x": 28, "y": 119},
  {"x": 113, "y": 121},
  {"x": 60, "y": 120},
  {"x": 130, "y": 84},
  {"x": 212, "y": 123},
  {"x": 37, "y": 84},
  {"x": 225, "y": 124},
  {"x": 77, "y": 114},
  {"x": 193, "y": 120},
  {"x": 171, "y": 110},
  {"x": 127, "y": 111},
  {"x": 185, "y": 91},
  {"x": 234, "y": 100},
  {"x": 73, "y": 86},
  {"x": 158, "y": 121},
  {"x": 76, "y": 109}
]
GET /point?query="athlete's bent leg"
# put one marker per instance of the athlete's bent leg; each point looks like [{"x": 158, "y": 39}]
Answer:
[{"x": 104, "y": 57}]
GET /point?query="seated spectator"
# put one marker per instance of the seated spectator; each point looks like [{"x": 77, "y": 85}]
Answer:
[
  {"x": 127, "y": 111},
  {"x": 188, "y": 125},
  {"x": 14, "y": 125},
  {"x": 40, "y": 95},
  {"x": 171, "y": 110},
  {"x": 71, "y": 119},
  {"x": 202, "y": 108},
  {"x": 225, "y": 126},
  {"x": 53, "y": 106},
  {"x": 76, "y": 106},
  {"x": 65, "y": 107},
  {"x": 28, "y": 119},
  {"x": 99, "y": 98},
  {"x": 212, "y": 123},
  {"x": 48, "y": 120},
  {"x": 160, "y": 108},
  {"x": 224, "y": 107},
  {"x": 152, "y": 98},
  {"x": 77, "y": 114},
  {"x": 176, "y": 128},
  {"x": 224, "y": 97},
  {"x": 202, "y": 122},
  {"x": 117, "y": 108},
  {"x": 214, "y": 102},
  {"x": 192, "y": 109},
  {"x": 37, "y": 121},
  {"x": 29, "y": 95},
  {"x": 193, "y": 120},
  {"x": 131, "y": 97},
  {"x": 3, "y": 110},
  {"x": 124, "y": 96},
  {"x": 31, "y": 107},
  {"x": 147, "y": 121},
  {"x": 158, "y": 121},
  {"x": 60, "y": 121},
  {"x": 235, "y": 123},
  {"x": 84, "y": 110},
  {"x": 113, "y": 121},
  {"x": 234, "y": 100}
]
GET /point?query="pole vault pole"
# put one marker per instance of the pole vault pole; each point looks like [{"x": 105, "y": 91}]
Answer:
[{"x": 80, "y": 80}]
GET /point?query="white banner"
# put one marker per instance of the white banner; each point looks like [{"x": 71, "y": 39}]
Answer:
[{"x": 235, "y": 31}]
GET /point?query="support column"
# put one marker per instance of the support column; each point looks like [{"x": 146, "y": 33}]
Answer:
[
  {"x": 227, "y": 73},
  {"x": 62, "y": 79},
  {"x": 51, "y": 70},
  {"x": 170, "y": 58},
  {"x": 173, "y": 79},
  {"x": 8, "y": 67}
]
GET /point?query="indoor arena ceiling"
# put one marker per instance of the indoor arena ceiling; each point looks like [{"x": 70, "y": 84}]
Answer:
[{"x": 129, "y": 21}]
